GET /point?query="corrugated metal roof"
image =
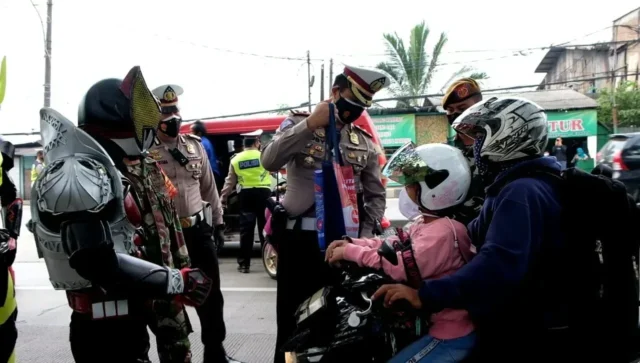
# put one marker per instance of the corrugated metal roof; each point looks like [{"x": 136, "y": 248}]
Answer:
[
  {"x": 550, "y": 59},
  {"x": 550, "y": 100}
]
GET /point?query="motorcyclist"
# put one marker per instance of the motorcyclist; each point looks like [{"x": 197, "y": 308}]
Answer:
[
  {"x": 501, "y": 286},
  {"x": 437, "y": 178},
  {"x": 88, "y": 223}
]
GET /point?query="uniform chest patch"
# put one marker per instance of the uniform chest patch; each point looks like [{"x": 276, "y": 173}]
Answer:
[{"x": 247, "y": 164}]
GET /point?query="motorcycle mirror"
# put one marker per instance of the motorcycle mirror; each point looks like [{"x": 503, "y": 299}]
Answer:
[{"x": 387, "y": 252}]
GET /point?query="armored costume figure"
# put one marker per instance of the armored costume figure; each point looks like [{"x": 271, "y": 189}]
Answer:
[
  {"x": 12, "y": 219},
  {"x": 89, "y": 225},
  {"x": 185, "y": 162},
  {"x": 161, "y": 239},
  {"x": 299, "y": 145}
]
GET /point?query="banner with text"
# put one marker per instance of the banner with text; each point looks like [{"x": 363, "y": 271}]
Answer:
[
  {"x": 572, "y": 123},
  {"x": 395, "y": 130}
]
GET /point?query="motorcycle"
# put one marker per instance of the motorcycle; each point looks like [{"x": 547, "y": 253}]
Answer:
[
  {"x": 340, "y": 323},
  {"x": 269, "y": 252}
]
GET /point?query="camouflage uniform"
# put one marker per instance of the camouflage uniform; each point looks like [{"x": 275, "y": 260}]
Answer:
[{"x": 163, "y": 243}]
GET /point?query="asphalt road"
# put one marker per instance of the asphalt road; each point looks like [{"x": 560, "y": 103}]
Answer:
[
  {"x": 43, "y": 320},
  {"x": 250, "y": 310}
]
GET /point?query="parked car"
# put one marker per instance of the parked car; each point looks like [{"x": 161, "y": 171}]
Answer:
[{"x": 622, "y": 154}]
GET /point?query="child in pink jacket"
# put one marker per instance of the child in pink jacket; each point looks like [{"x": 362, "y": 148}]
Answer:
[{"x": 436, "y": 179}]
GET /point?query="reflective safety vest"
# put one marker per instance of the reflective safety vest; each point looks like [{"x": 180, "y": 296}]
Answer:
[
  {"x": 34, "y": 171},
  {"x": 250, "y": 172}
]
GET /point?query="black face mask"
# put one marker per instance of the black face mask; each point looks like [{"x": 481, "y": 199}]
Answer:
[
  {"x": 347, "y": 111},
  {"x": 172, "y": 126}
]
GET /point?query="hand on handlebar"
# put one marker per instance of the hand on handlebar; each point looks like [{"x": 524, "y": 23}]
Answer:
[
  {"x": 335, "y": 252},
  {"x": 394, "y": 292}
]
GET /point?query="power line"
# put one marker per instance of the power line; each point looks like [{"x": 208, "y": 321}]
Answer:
[
  {"x": 424, "y": 96},
  {"x": 547, "y": 47}
]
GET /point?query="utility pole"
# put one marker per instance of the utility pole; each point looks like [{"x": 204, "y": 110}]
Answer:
[
  {"x": 309, "y": 83},
  {"x": 322, "y": 82},
  {"x": 614, "y": 107},
  {"x": 330, "y": 75},
  {"x": 47, "y": 56}
]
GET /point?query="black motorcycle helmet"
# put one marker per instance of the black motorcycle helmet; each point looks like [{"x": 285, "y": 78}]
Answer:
[{"x": 121, "y": 115}]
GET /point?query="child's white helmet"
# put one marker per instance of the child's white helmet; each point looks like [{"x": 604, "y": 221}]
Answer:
[{"x": 441, "y": 171}]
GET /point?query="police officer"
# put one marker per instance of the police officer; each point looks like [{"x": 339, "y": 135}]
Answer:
[
  {"x": 185, "y": 162},
  {"x": 299, "y": 144},
  {"x": 254, "y": 185},
  {"x": 460, "y": 95},
  {"x": 37, "y": 167}
]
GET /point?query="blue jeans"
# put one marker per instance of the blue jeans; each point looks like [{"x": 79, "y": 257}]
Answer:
[{"x": 431, "y": 350}]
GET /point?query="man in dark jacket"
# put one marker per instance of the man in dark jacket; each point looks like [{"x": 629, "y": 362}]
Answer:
[{"x": 502, "y": 287}]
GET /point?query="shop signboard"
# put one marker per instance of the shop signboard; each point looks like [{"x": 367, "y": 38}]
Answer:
[
  {"x": 572, "y": 123},
  {"x": 395, "y": 130}
]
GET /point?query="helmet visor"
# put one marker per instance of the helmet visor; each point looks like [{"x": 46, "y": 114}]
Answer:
[{"x": 405, "y": 166}]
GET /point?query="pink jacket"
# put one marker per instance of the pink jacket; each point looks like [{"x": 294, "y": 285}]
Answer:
[{"x": 436, "y": 255}]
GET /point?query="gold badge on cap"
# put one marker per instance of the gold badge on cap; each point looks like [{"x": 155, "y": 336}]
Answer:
[
  {"x": 190, "y": 149},
  {"x": 377, "y": 84},
  {"x": 353, "y": 137},
  {"x": 169, "y": 94}
]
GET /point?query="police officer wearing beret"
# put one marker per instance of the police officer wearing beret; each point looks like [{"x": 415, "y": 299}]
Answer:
[
  {"x": 299, "y": 145},
  {"x": 460, "y": 95},
  {"x": 185, "y": 162}
]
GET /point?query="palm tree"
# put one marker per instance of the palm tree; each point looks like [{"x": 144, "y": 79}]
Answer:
[{"x": 411, "y": 70}]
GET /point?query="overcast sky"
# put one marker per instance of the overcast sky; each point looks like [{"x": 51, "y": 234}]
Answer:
[{"x": 226, "y": 53}]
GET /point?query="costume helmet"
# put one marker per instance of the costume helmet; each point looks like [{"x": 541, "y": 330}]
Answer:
[
  {"x": 505, "y": 129},
  {"x": 441, "y": 171},
  {"x": 121, "y": 113}
]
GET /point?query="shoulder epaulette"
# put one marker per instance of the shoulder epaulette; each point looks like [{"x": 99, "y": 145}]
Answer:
[
  {"x": 363, "y": 131},
  {"x": 194, "y": 136}
]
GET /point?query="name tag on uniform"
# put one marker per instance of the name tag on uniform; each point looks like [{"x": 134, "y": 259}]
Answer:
[{"x": 247, "y": 164}]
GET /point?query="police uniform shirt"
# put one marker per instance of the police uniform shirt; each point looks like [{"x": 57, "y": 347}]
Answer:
[
  {"x": 302, "y": 150},
  {"x": 194, "y": 181}
]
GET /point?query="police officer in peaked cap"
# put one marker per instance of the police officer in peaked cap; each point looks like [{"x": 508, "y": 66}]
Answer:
[
  {"x": 253, "y": 183},
  {"x": 185, "y": 162},
  {"x": 299, "y": 145}
]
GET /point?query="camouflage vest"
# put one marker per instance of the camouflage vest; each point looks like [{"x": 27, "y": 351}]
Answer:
[{"x": 163, "y": 239}]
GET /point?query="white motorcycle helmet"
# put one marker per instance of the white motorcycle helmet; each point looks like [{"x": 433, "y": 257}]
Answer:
[{"x": 441, "y": 171}]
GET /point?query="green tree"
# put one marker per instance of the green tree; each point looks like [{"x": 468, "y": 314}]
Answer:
[
  {"x": 412, "y": 69},
  {"x": 627, "y": 97}
]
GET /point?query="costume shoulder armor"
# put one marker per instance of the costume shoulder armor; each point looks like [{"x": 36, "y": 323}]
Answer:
[
  {"x": 363, "y": 131},
  {"x": 79, "y": 175},
  {"x": 194, "y": 137}
]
